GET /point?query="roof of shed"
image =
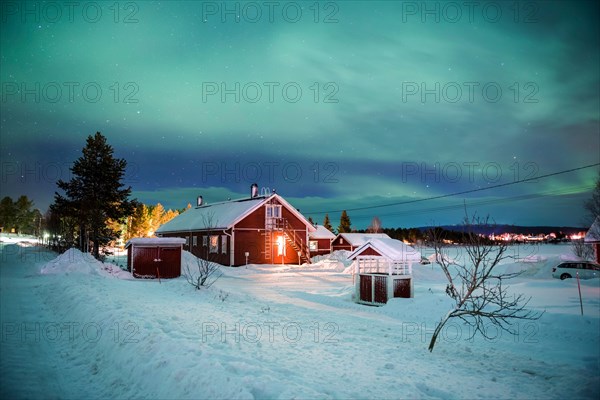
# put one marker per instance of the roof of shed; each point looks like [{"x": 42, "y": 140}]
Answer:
[
  {"x": 389, "y": 248},
  {"x": 358, "y": 239},
  {"x": 155, "y": 242},
  {"x": 321, "y": 233}
]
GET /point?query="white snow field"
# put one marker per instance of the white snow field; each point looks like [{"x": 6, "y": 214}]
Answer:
[{"x": 75, "y": 328}]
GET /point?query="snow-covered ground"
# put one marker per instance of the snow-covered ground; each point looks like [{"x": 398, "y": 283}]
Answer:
[{"x": 76, "y": 328}]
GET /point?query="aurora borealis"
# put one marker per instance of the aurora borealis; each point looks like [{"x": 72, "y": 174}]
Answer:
[{"x": 336, "y": 105}]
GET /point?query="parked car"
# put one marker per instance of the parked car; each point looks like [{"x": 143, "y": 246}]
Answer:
[{"x": 585, "y": 269}]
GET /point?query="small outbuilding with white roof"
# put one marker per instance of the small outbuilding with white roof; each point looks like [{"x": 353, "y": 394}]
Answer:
[
  {"x": 319, "y": 241},
  {"x": 154, "y": 257},
  {"x": 383, "y": 270}
]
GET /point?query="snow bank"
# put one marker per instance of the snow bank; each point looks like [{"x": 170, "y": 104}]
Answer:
[{"x": 74, "y": 261}]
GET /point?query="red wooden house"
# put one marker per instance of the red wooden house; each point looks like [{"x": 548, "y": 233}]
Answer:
[
  {"x": 319, "y": 241},
  {"x": 352, "y": 241},
  {"x": 260, "y": 229},
  {"x": 593, "y": 237}
]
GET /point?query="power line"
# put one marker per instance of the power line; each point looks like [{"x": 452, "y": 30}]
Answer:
[
  {"x": 457, "y": 193},
  {"x": 475, "y": 203}
]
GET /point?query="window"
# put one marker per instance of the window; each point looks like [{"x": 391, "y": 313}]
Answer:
[
  {"x": 341, "y": 240},
  {"x": 313, "y": 245},
  {"x": 223, "y": 244},
  {"x": 187, "y": 241},
  {"x": 214, "y": 244},
  {"x": 204, "y": 240},
  {"x": 272, "y": 213},
  {"x": 195, "y": 241}
]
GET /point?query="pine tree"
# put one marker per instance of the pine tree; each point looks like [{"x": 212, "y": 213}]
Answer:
[
  {"x": 327, "y": 223},
  {"x": 8, "y": 214},
  {"x": 344, "y": 226},
  {"x": 95, "y": 194},
  {"x": 24, "y": 215}
]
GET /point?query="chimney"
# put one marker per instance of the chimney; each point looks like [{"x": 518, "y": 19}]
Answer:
[
  {"x": 199, "y": 201},
  {"x": 254, "y": 190}
]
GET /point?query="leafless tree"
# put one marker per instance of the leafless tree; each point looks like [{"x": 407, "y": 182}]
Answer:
[
  {"x": 207, "y": 272},
  {"x": 480, "y": 294},
  {"x": 375, "y": 226},
  {"x": 582, "y": 249}
]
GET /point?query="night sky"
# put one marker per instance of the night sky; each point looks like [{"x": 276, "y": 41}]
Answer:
[{"x": 336, "y": 105}]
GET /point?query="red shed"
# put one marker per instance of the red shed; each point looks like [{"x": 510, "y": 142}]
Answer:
[{"x": 154, "y": 257}]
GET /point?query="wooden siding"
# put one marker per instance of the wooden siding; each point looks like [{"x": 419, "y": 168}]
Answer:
[
  {"x": 249, "y": 236},
  {"x": 323, "y": 247},
  {"x": 366, "y": 288},
  {"x": 368, "y": 251},
  {"x": 148, "y": 261},
  {"x": 201, "y": 251},
  {"x": 402, "y": 288},
  {"x": 337, "y": 245}
]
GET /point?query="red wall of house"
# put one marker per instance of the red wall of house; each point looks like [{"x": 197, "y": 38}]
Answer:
[
  {"x": 336, "y": 245},
  {"x": 324, "y": 247},
  {"x": 203, "y": 252},
  {"x": 249, "y": 237},
  {"x": 369, "y": 252}
]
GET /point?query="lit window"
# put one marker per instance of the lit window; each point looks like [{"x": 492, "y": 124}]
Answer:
[
  {"x": 313, "y": 245},
  {"x": 214, "y": 244}
]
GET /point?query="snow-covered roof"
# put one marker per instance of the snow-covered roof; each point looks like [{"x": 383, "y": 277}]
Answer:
[
  {"x": 321, "y": 233},
  {"x": 223, "y": 215},
  {"x": 389, "y": 248},
  {"x": 358, "y": 239},
  {"x": 155, "y": 241},
  {"x": 593, "y": 234}
]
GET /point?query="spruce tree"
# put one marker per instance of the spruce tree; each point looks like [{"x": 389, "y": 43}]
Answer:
[
  {"x": 95, "y": 194},
  {"x": 327, "y": 223},
  {"x": 8, "y": 214},
  {"x": 344, "y": 226}
]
